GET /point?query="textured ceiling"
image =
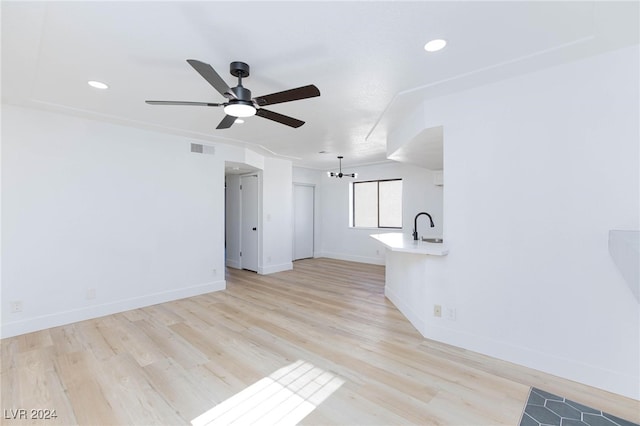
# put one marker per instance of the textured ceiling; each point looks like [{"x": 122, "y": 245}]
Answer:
[{"x": 366, "y": 58}]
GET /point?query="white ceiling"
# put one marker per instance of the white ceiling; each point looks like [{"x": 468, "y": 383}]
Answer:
[
  {"x": 366, "y": 58},
  {"x": 425, "y": 149}
]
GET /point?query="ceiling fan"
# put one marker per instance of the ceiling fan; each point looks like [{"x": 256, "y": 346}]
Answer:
[{"x": 239, "y": 101}]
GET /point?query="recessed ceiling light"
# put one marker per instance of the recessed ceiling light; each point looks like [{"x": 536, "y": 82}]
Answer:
[
  {"x": 435, "y": 45},
  {"x": 97, "y": 84},
  {"x": 239, "y": 121}
]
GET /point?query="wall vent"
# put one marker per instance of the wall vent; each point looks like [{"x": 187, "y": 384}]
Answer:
[{"x": 199, "y": 148}]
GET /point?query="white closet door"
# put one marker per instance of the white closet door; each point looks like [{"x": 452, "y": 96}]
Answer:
[
  {"x": 303, "y": 204},
  {"x": 249, "y": 222}
]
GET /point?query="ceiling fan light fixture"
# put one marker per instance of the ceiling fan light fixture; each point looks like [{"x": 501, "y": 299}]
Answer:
[
  {"x": 98, "y": 84},
  {"x": 240, "y": 109},
  {"x": 435, "y": 45}
]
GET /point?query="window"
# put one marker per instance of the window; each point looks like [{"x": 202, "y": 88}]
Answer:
[{"x": 377, "y": 204}]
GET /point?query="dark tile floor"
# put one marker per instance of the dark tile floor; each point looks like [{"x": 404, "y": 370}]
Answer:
[{"x": 544, "y": 408}]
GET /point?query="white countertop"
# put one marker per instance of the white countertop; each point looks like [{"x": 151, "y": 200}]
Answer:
[{"x": 397, "y": 241}]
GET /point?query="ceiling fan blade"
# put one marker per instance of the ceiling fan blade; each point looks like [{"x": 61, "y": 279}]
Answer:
[
  {"x": 227, "y": 122},
  {"x": 208, "y": 73},
  {"x": 183, "y": 103},
  {"x": 304, "y": 92},
  {"x": 283, "y": 119}
]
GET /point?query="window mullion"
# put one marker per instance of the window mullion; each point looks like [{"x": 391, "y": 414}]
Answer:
[
  {"x": 378, "y": 203},
  {"x": 353, "y": 204}
]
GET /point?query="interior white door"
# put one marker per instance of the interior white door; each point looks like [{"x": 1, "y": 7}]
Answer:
[
  {"x": 303, "y": 219},
  {"x": 249, "y": 222}
]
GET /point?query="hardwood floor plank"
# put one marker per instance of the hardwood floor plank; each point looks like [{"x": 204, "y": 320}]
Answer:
[
  {"x": 37, "y": 340},
  {"x": 163, "y": 314},
  {"x": 10, "y": 354},
  {"x": 35, "y": 385},
  {"x": 178, "y": 387},
  {"x": 350, "y": 406},
  {"x": 172, "y": 362},
  {"x": 171, "y": 345},
  {"x": 94, "y": 340},
  {"x": 78, "y": 373},
  {"x": 130, "y": 393},
  {"x": 67, "y": 339}
]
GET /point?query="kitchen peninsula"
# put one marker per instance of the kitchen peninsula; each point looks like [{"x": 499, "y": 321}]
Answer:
[{"x": 413, "y": 269}]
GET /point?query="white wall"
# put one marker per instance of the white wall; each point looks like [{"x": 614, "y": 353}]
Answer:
[
  {"x": 277, "y": 217},
  {"x": 232, "y": 221},
  {"x": 340, "y": 241},
  {"x": 86, "y": 205},
  {"x": 132, "y": 215},
  {"x": 307, "y": 176},
  {"x": 538, "y": 169}
]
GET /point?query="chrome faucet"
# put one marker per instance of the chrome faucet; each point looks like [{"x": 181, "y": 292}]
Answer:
[{"x": 415, "y": 224}]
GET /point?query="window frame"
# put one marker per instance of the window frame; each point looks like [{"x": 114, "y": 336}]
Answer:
[{"x": 353, "y": 204}]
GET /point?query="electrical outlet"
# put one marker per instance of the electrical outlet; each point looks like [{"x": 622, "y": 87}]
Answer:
[
  {"x": 437, "y": 310},
  {"x": 215, "y": 272},
  {"x": 91, "y": 294},
  {"x": 378, "y": 252},
  {"x": 16, "y": 306}
]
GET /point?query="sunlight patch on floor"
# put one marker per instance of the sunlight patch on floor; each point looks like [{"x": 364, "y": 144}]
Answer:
[{"x": 285, "y": 397}]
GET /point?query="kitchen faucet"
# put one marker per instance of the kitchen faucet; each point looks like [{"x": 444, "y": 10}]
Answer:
[{"x": 415, "y": 224}]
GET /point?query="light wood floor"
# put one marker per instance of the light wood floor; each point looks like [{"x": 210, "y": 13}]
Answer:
[{"x": 170, "y": 363}]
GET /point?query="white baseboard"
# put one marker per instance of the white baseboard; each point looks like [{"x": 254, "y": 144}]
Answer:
[
  {"x": 352, "y": 258},
  {"x": 272, "y": 269},
  {"x": 609, "y": 380},
  {"x": 42, "y": 322},
  {"x": 413, "y": 318}
]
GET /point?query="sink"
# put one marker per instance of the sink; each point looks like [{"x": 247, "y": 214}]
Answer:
[{"x": 432, "y": 240}]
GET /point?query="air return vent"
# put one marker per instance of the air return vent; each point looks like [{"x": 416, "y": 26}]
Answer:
[{"x": 202, "y": 149}]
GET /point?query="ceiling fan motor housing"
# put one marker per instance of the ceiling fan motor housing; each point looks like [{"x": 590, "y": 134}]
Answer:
[
  {"x": 242, "y": 94},
  {"x": 239, "y": 69}
]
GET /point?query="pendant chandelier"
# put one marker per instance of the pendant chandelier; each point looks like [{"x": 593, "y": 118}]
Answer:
[{"x": 340, "y": 174}]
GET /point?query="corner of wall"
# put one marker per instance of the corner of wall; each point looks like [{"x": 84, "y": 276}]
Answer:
[{"x": 272, "y": 269}]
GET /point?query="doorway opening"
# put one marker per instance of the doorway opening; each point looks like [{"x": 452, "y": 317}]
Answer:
[
  {"x": 242, "y": 212},
  {"x": 303, "y": 221}
]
